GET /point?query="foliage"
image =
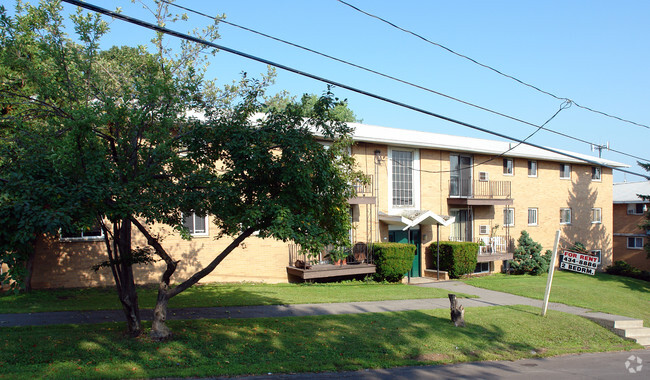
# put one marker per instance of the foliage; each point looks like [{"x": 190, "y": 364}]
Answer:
[
  {"x": 528, "y": 257},
  {"x": 457, "y": 258},
  {"x": 578, "y": 247},
  {"x": 621, "y": 268},
  {"x": 645, "y": 224},
  {"x": 126, "y": 138},
  {"x": 309, "y": 105},
  {"x": 393, "y": 260}
]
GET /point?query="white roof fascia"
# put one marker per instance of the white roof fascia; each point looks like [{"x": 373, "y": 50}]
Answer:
[{"x": 430, "y": 218}]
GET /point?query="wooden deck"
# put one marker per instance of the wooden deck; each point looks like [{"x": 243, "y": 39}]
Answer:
[
  {"x": 485, "y": 257},
  {"x": 330, "y": 270}
]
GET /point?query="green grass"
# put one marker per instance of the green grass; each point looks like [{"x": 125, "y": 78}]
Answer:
[
  {"x": 603, "y": 292},
  {"x": 240, "y": 294},
  {"x": 203, "y": 348}
]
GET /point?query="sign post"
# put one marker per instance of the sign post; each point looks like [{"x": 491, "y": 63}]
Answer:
[{"x": 551, "y": 270}]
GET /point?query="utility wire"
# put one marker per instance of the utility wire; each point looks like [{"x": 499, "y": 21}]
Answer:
[
  {"x": 197, "y": 40},
  {"x": 490, "y": 67},
  {"x": 396, "y": 79}
]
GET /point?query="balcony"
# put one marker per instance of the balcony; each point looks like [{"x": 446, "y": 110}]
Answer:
[
  {"x": 479, "y": 193},
  {"x": 492, "y": 248},
  {"x": 365, "y": 193},
  {"x": 358, "y": 262}
]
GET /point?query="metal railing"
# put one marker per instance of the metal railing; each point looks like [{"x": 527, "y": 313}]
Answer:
[
  {"x": 464, "y": 188},
  {"x": 364, "y": 189},
  {"x": 357, "y": 254},
  {"x": 490, "y": 245}
]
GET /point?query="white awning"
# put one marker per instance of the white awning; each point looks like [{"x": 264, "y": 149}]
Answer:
[{"x": 412, "y": 218}]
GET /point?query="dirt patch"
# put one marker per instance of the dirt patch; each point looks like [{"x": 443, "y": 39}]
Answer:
[{"x": 432, "y": 357}]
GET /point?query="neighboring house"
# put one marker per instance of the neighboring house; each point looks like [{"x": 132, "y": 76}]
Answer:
[
  {"x": 419, "y": 180},
  {"x": 629, "y": 212}
]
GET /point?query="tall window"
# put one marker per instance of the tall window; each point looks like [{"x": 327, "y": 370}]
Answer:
[
  {"x": 635, "y": 242},
  {"x": 196, "y": 224},
  {"x": 636, "y": 208},
  {"x": 596, "y": 215},
  {"x": 532, "y": 216},
  {"x": 565, "y": 216},
  {"x": 508, "y": 216},
  {"x": 565, "y": 171},
  {"x": 402, "y": 178},
  {"x": 460, "y": 175},
  {"x": 595, "y": 173},
  {"x": 508, "y": 166},
  {"x": 532, "y": 168}
]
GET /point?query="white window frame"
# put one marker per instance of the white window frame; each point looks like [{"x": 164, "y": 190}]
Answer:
[
  {"x": 506, "y": 217},
  {"x": 594, "y": 170},
  {"x": 636, "y": 240},
  {"x": 81, "y": 237},
  {"x": 632, "y": 208},
  {"x": 192, "y": 230},
  {"x": 529, "y": 166},
  {"x": 415, "y": 179},
  {"x": 562, "y": 210},
  {"x": 536, "y": 212},
  {"x": 562, "y": 171},
  {"x": 483, "y": 176},
  {"x": 599, "y": 212},
  {"x": 508, "y": 166}
]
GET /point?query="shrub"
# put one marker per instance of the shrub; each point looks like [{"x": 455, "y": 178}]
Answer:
[
  {"x": 621, "y": 268},
  {"x": 392, "y": 260},
  {"x": 457, "y": 258},
  {"x": 527, "y": 257}
]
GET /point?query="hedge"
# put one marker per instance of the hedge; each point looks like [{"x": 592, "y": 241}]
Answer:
[
  {"x": 457, "y": 258},
  {"x": 621, "y": 268},
  {"x": 392, "y": 260}
]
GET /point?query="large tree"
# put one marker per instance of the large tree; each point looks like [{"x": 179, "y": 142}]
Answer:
[
  {"x": 645, "y": 224},
  {"x": 125, "y": 138}
]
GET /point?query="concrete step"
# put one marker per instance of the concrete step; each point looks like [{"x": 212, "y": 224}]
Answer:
[
  {"x": 634, "y": 332},
  {"x": 644, "y": 341},
  {"x": 614, "y": 321}
]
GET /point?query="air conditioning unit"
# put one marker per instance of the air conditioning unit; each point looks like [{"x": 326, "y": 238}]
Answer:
[
  {"x": 483, "y": 229},
  {"x": 483, "y": 176}
]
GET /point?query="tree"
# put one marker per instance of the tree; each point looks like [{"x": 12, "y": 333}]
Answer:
[
  {"x": 119, "y": 147},
  {"x": 528, "y": 257},
  {"x": 308, "y": 104},
  {"x": 645, "y": 224}
]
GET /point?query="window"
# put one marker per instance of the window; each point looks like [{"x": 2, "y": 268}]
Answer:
[
  {"x": 532, "y": 216},
  {"x": 92, "y": 233},
  {"x": 532, "y": 168},
  {"x": 565, "y": 171},
  {"x": 635, "y": 242},
  {"x": 597, "y": 253},
  {"x": 483, "y": 176},
  {"x": 596, "y": 215},
  {"x": 565, "y": 216},
  {"x": 483, "y": 229},
  {"x": 508, "y": 166},
  {"x": 508, "y": 216},
  {"x": 595, "y": 173},
  {"x": 482, "y": 267},
  {"x": 198, "y": 225},
  {"x": 636, "y": 208},
  {"x": 402, "y": 178}
]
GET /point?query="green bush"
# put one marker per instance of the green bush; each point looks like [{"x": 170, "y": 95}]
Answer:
[
  {"x": 621, "y": 268},
  {"x": 528, "y": 257},
  {"x": 392, "y": 260},
  {"x": 457, "y": 258}
]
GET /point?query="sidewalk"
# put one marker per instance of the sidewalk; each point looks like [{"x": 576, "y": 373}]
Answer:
[{"x": 485, "y": 298}]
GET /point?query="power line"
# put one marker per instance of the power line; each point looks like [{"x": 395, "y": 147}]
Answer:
[
  {"x": 490, "y": 67},
  {"x": 190, "y": 38},
  {"x": 395, "y": 78}
]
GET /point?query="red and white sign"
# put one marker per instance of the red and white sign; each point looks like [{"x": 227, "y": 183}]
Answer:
[{"x": 579, "y": 262}]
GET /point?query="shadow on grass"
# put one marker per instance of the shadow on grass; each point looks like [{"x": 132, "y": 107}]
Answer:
[{"x": 628, "y": 282}]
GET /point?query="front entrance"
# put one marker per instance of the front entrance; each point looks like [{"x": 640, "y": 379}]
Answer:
[{"x": 399, "y": 236}]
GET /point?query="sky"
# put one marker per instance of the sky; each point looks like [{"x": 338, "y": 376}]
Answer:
[{"x": 595, "y": 53}]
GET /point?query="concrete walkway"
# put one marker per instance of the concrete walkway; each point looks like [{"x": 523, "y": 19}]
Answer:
[{"x": 485, "y": 298}]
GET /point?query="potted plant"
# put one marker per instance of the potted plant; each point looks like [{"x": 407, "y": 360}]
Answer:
[{"x": 339, "y": 255}]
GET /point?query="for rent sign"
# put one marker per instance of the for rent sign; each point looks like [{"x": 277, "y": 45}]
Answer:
[{"x": 579, "y": 262}]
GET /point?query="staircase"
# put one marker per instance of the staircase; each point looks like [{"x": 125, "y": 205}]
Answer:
[{"x": 628, "y": 328}]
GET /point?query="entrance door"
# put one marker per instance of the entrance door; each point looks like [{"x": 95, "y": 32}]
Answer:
[
  {"x": 461, "y": 229},
  {"x": 414, "y": 238}
]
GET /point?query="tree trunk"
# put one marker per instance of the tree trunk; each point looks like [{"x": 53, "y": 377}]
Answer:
[
  {"x": 159, "y": 329},
  {"x": 129, "y": 300},
  {"x": 457, "y": 312},
  {"x": 29, "y": 268}
]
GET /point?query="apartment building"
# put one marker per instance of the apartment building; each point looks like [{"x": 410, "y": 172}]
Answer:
[
  {"x": 424, "y": 186},
  {"x": 629, "y": 212}
]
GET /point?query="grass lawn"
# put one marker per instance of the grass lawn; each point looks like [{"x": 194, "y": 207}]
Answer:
[
  {"x": 603, "y": 292},
  {"x": 239, "y": 294},
  {"x": 203, "y": 348}
]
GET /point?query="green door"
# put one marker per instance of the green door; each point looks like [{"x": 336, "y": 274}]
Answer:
[{"x": 403, "y": 237}]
